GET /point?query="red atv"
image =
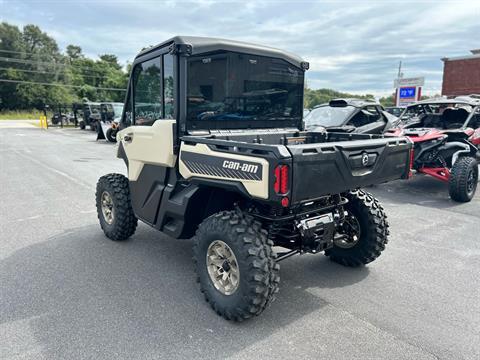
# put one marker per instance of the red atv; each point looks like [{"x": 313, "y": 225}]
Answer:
[{"x": 446, "y": 136}]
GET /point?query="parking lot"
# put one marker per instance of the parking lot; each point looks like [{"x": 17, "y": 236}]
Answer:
[{"x": 66, "y": 291}]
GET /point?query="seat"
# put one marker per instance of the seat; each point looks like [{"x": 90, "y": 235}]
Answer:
[{"x": 454, "y": 118}]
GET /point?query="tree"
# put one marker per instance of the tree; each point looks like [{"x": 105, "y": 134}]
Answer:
[
  {"x": 11, "y": 43},
  {"x": 388, "y": 100},
  {"x": 38, "y": 42},
  {"x": 321, "y": 96},
  {"x": 33, "y": 58},
  {"x": 74, "y": 52},
  {"x": 111, "y": 59}
]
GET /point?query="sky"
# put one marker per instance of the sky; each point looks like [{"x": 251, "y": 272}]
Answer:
[{"x": 352, "y": 46}]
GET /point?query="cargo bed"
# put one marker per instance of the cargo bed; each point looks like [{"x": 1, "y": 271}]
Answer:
[{"x": 319, "y": 163}]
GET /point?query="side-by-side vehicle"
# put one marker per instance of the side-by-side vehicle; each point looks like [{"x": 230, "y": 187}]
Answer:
[
  {"x": 446, "y": 136},
  {"x": 352, "y": 116},
  {"x": 212, "y": 136}
]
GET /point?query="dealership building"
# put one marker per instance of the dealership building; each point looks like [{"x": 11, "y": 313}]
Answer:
[{"x": 461, "y": 75}]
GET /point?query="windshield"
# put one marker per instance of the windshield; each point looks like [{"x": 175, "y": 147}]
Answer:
[
  {"x": 95, "y": 108},
  {"x": 328, "y": 116},
  {"x": 118, "y": 109},
  {"x": 397, "y": 111},
  {"x": 436, "y": 108},
  {"x": 228, "y": 90}
]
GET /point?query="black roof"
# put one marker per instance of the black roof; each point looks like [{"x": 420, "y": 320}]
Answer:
[
  {"x": 201, "y": 45},
  {"x": 340, "y": 102},
  {"x": 473, "y": 100}
]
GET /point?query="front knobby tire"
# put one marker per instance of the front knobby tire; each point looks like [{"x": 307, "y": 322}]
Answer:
[
  {"x": 253, "y": 257},
  {"x": 463, "y": 179},
  {"x": 373, "y": 235},
  {"x": 114, "y": 207}
]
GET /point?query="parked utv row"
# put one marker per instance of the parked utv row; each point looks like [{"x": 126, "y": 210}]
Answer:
[
  {"x": 213, "y": 138},
  {"x": 445, "y": 134},
  {"x": 102, "y": 117}
]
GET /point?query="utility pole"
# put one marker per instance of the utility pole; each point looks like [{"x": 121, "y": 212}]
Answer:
[{"x": 400, "y": 75}]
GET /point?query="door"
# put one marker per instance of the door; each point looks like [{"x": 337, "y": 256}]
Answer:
[{"x": 148, "y": 142}]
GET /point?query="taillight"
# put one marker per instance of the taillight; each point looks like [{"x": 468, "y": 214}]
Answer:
[
  {"x": 281, "y": 179},
  {"x": 276, "y": 185}
]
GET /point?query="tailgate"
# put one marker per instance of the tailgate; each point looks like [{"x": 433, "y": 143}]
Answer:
[{"x": 335, "y": 167}]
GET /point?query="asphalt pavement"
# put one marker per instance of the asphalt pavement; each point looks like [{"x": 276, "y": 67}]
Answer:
[{"x": 67, "y": 292}]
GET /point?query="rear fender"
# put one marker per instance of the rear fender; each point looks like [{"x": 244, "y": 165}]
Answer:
[{"x": 462, "y": 149}]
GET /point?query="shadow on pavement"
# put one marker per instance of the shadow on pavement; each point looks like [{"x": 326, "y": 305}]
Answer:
[
  {"x": 421, "y": 190},
  {"x": 85, "y": 296}
]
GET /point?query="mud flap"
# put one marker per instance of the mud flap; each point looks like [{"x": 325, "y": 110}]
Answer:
[{"x": 102, "y": 130}]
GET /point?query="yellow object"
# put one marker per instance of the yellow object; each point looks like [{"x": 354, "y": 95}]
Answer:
[{"x": 43, "y": 122}]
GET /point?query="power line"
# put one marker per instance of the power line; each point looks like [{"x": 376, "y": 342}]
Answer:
[
  {"x": 43, "y": 56},
  {"x": 51, "y": 72},
  {"x": 36, "y": 62},
  {"x": 62, "y": 85},
  {"x": 19, "y": 52}
]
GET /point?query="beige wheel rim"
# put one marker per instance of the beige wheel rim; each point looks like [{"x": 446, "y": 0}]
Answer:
[
  {"x": 107, "y": 208},
  {"x": 223, "y": 267}
]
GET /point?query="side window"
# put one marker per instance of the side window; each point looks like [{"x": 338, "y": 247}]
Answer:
[
  {"x": 127, "y": 115},
  {"x": 168, "y": 86},
  {"x": 147, "y": 92},
  {"x": 374, "y": 114},
  {"x": 359, "y": 119},
  {"x": 474, "y": 122}
]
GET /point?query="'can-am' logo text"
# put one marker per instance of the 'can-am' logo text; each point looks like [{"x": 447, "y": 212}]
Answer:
[{"x": 238, "y": 166}]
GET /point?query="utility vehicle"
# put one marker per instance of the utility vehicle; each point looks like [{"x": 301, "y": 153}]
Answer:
[
  {"x": 395, "y": 110},
  {"x": 446, "y": 135},
  {"x": 90, "y": 115},
  {"x": 110, "y": 113},
  {"x": 214, "y": 146},
  {"x": 63, "y": 114},
  {"x": 351, "y": 115}
]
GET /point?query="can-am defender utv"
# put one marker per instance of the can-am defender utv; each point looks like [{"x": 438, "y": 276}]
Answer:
[{"x": 212, "y": 138}]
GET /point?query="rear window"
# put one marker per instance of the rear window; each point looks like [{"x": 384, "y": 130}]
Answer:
[{"x": 230, "y": 89}]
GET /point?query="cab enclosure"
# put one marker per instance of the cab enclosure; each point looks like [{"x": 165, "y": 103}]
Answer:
[{"x": 209, "y": 124}]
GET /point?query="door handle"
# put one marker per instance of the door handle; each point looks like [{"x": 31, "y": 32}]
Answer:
[{"x": 128, "y": 138}]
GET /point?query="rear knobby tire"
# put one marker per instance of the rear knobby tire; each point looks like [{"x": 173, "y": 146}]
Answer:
[
  {"x": 463, "y": 179},
  {"x": 373, "y": 231},
  {"x": 124, "y": 221},
  {"x": 258, "y": 270},
  {"x": 110, "y": 135}
]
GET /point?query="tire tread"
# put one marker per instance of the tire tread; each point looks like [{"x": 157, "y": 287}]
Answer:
[
  {"x": 125, "y": 222},
  {"x": 377, "y": 233},
  {"x": 256, "y": 251}
]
